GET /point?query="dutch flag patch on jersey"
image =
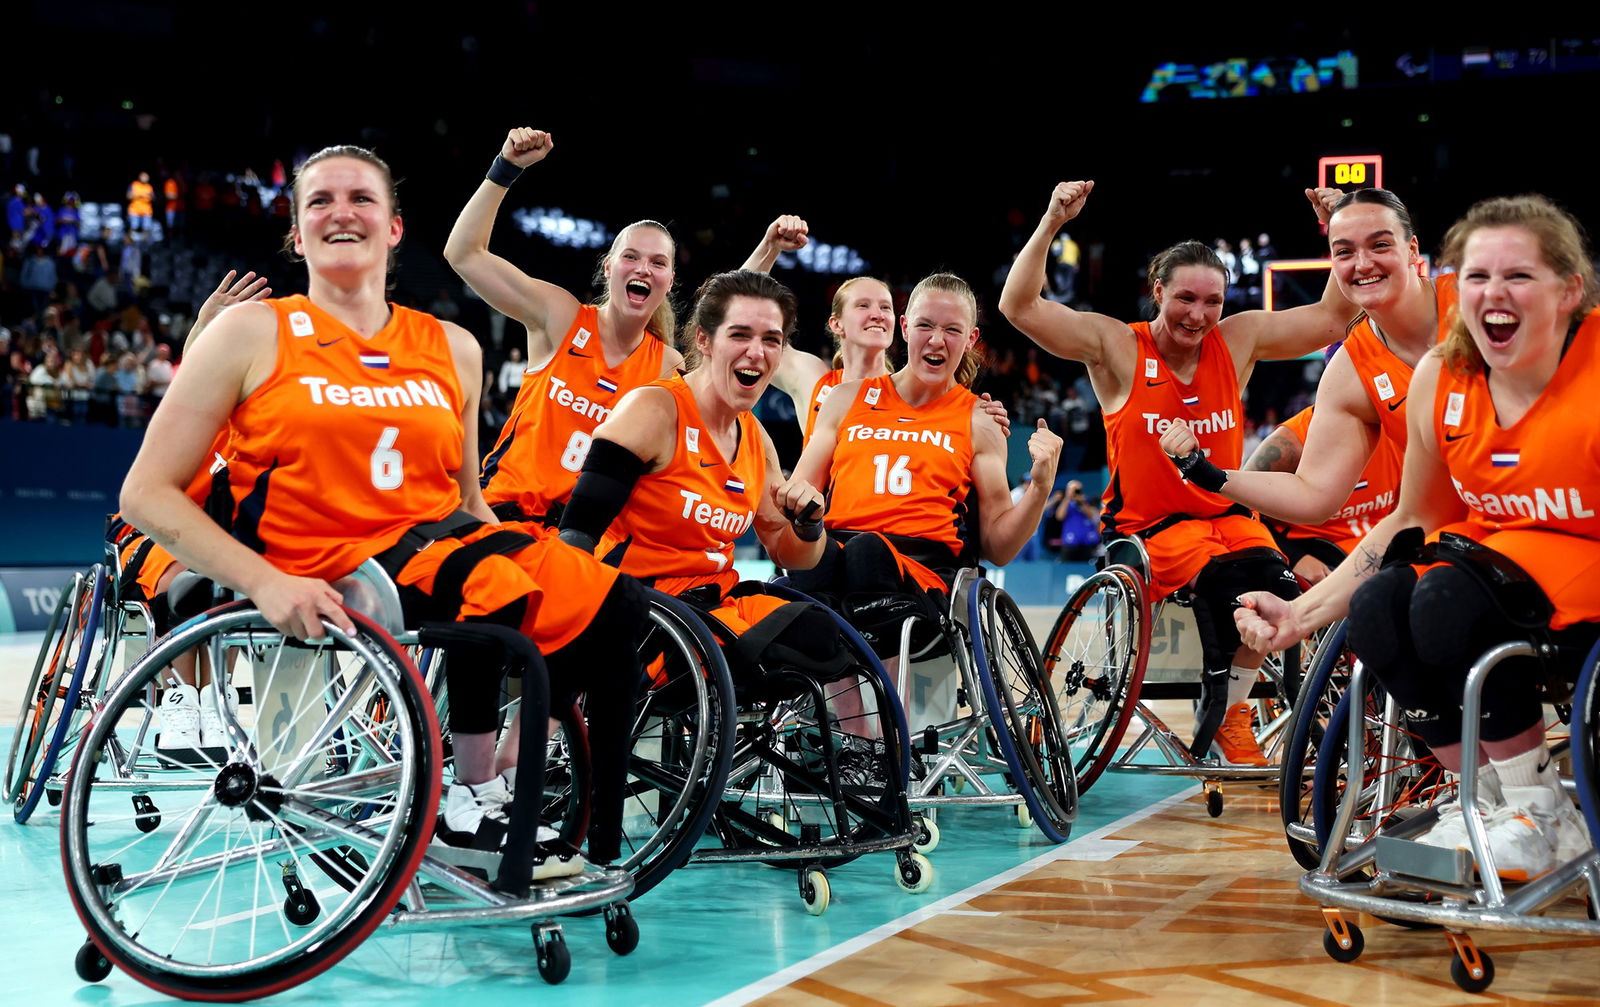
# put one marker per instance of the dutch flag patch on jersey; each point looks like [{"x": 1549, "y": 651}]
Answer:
[
  {"x": 733, "y": 486},
  {"x": 378, "y": 360},
  {"x": 606, "y": 386},
  {"x": 1193, "y": 400},
  {"x": 1504, "y": 459}
]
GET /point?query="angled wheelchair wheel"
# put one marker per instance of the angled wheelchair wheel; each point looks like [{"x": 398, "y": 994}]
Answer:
[
  {"x": 1320, "y": 690},
  {"x": 52, "y": 719},
  {"x": 1396, "y": 773},
  {"x": 1586, "y": 742},
  {"x": 683, "y": 737},
  {"x": 1095, "y": 660},
  {"x": 1022, "y": 709},
  {"x": 194, "y": 876},
  {"x": 818, "y": 763}
]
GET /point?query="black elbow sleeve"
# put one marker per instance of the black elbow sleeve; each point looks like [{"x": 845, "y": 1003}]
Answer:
[{"x": 609, "y": 474}]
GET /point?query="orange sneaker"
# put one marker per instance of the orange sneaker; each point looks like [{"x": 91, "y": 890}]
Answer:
[{"x": 1235, "y": 743}]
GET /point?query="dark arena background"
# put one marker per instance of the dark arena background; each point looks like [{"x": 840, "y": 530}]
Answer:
[{"x": 910, "y": 141}]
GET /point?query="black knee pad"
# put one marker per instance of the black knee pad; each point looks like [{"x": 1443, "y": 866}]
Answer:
[
  {"x": 1452, "y": 618},
  {"x": 1380, "y": 619},
  {"x": 879, "y": 617},
  {"x": 1217, "y": 590},
  {"x": 870, "y": 565}
]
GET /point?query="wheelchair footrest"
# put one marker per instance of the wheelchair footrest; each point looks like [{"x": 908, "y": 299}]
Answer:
[{"x": 1410, "y": 859}]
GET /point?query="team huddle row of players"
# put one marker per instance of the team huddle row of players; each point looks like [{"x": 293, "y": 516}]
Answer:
[{"x": 348, "y": 430}]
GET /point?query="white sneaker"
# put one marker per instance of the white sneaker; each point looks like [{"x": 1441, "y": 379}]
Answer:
[
  {"x": 1450, "y": 831},
  {"x": 213, "y": 732},
  {"x": 476, "y": 815},
  {"x": 180, "y": 718},
  {"x": 1572, "y": 834},
  {"x": 1522, "y": 835},
  {"x": 508, "y": 778}
]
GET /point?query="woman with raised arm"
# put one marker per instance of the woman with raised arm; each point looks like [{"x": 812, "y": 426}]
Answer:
[
  {"x": 582, "y": 358},
  {"x": 683, "y": 467},
  {"x": 861, "y": 323},
  {"x": 1362, "y": 395},
  {"x": 1187, "y": 364},
  {"x": 1492, "y": 452},
  {"x": 905, "y": 458},
  {"x": 354, "y": 429}
]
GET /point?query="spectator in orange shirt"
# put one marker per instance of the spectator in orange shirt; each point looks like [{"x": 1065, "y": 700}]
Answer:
[{"x": 140, "y": 206}]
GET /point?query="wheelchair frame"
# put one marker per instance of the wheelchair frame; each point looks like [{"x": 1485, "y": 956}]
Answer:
[
  {"x": 394, "y": 726},
  {"x": 771, "y": 728},
  {"x": 1365, "y": 873},
  {"x": 1003, "y": 687},
  {"x": 1125, "y": 691}
]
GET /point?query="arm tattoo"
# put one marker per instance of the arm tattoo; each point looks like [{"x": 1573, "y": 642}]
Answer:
[
  {"x": 1367, "y": 563},
  {"x": 1265, "y": 459}
]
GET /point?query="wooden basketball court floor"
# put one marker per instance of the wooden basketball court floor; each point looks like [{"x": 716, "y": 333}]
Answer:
[{"x": 1151, "y": 903}]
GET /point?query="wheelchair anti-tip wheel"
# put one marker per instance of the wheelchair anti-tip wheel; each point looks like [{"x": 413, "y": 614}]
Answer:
[{"x": 194, "y": 906}]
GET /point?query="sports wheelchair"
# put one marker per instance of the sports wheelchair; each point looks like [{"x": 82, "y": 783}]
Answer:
[
  {"x": 760, "y": 758},
  {"x": 1374, "y": 793},
  {"x": 234, "y": 878},
  {"x": 97, "y": 613},
  {"x": 1367, "y": 811},
  {"x": 1098, "y": 661},
  {"x": 990, "y": 734}
]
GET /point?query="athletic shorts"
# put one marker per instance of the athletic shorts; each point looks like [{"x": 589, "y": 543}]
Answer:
[
  {"x": 1179, "y": 552},
  {"x": 1566, "y": 567},
  {"x": 151, "y": 567},
  {"x": 564, "y": 586}
]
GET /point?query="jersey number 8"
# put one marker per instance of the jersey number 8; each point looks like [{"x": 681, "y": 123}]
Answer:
[{"x": 577, "y": 450}]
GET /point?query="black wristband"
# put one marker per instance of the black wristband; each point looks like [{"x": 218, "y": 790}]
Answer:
[
  {"x": 1197, "y": 468},
  {"x": 807, "y": 525},
  {"x": 503, "y": 172}
]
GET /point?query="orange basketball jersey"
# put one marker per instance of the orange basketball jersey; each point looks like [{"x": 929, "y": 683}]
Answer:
[
  {"x": 542, "y": 447},
  {"x": 1532, "y": 489},
  {"x": 1145, "y": 487},
  {"x": 348, "y": 443},
  {"x": 824, "y": 387},
  {"x": 904, "y": 470},
  {"x": 680, "y": 523},
  {"x": 1373, "y": 497},
  {"x": 1385, "y": 377}
]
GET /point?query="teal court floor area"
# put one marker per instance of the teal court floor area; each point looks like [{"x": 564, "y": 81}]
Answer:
[{"x": 722, "y": 934}]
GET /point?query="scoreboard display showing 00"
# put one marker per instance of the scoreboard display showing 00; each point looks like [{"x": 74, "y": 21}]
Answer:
[{"x": 1351, "y": 171}]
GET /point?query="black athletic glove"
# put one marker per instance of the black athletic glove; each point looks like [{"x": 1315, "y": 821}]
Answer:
[
  {"x": 807, "y": 525},
  {"x": 1197, "y": 468}
]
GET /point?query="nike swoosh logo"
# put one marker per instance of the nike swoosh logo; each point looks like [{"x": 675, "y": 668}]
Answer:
[
  {"x": 329, "y": 342},
  {"x": 1152, "y": 384},
  {"x": 706, "y": 465},
  {"x": 575, "y": 353},
  {"x": 1453, "y": 437},
  {"x": 1397, "y": 403},
  {"x": 877, "y": 409}
]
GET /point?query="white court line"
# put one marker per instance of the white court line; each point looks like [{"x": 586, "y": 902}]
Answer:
[{"x": 783, "y": 977}]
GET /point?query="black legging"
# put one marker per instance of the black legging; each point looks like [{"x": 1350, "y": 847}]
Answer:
[
  {"x": 602, "y": 663},
  {"x": 1421, "y": 637}
]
